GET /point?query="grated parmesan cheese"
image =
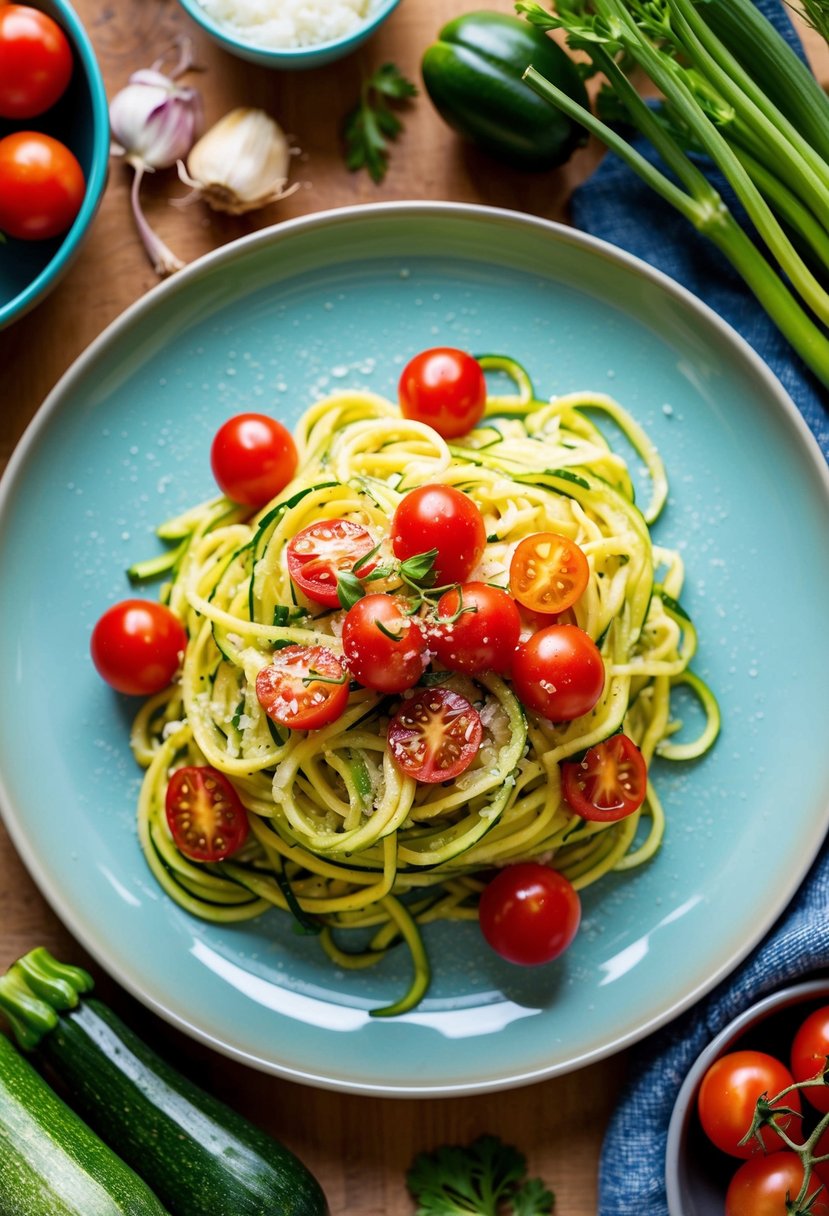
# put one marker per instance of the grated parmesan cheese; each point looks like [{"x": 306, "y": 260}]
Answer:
[{"x": 287, "y": 23}]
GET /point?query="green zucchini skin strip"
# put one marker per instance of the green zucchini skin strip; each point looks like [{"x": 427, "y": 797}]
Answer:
[
  {"x": 422, "y": 972},
  {"x": 668, "y": 749}
]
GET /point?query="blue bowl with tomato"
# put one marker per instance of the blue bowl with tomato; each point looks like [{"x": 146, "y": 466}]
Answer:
[
  {"x": 79, "y": 121},
  {"x": 780, "y": 1039}
]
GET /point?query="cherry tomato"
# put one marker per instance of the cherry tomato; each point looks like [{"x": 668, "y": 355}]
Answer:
[
  {"x": 442, "y": 518},
  {"x": 35, "y": 61},
  {"x": 609, "y": 783},
  {"x": 810, "y": 1048},
  {"x": 728, "y": 1095},
  {"x": 445, "y": 388},
  {"x": 529, "y": 913},
  {"x": 253, "y": 457},
  {"x": 205, "y": 814},
  {"x": 303, "y": 687},
  {"x": 137, "y": 646},
  {"x": 435, "y": 735},
  {"x": 761, "y": 1187},
  {"x": 548, "y": 572},
  {"x": 384, "y": 648},
  {"x": 558, "y": 672},
  {"x": 484, "y": 633},
  {"x": 42, "y": 186},
  {"x": 320, "y": 552}
]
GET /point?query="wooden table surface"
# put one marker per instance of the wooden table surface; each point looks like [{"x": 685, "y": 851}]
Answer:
[{"x": 359, "y": 1147}]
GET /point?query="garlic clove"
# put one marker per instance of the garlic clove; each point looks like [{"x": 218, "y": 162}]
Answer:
[
  {"x": 241, "y": 163},
  {"x": 154, "y": 120}
]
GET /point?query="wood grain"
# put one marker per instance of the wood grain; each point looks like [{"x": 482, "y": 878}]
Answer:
[{"x": 359, "y": 1147}]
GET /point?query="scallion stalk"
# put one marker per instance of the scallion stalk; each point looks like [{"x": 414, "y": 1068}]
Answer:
[{"x": 718, "y": 101}]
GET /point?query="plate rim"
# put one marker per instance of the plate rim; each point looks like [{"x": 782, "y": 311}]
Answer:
[{"x": 117, "y": 966}]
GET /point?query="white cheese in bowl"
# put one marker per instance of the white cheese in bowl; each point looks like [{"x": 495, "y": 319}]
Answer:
[{"x": 287, "y": 23}]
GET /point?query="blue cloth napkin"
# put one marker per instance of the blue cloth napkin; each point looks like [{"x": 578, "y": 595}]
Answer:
[{"x": 616, "y": 205}]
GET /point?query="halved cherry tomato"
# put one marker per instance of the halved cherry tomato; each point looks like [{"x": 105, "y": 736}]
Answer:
[
  {"x": 443, "y": 518},
  {"x": 529, "y": 913},
  {"x": 548, "y": 572},
  {"x": 484, "y": 633},
  {"x": 205, "y": 814},
  {"x": 609, "y": 783},
  {"x": 303, "y": 687},
  {"x": 42, "y": 186},
  {"x": 253, "y": 457},
  {"x": 137, "y": 646},
  {"x": 728, "y": 1096},
  {"x": 35, "y": 61},
  {"x": 558, "y": 672},
  {"x": 435, "y": 735},
  {"x": 384, "y": 647},
  {"x": 445, "y": 388},
  {"x": 763, "y": 1185},
  {"x": 810, "y": 1049},
  {"x": 324, "y": 549}
]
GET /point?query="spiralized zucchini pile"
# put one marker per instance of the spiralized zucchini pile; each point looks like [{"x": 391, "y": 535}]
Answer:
[{"x": 358, "y": 816}]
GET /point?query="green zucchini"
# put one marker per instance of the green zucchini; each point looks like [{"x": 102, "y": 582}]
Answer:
[
  {"x": 51, "y": 1163},
  {"x": 197, "y": 1154}
]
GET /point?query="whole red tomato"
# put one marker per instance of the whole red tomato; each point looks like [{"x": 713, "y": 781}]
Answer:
[
  {"x": 442, "y": 518},
  {"x": 810, "y": 1048},
  {"x": 728, "y": 1096},
  {"x": 558, "y": 672},
  {"x": 137, "y": 646},
  {"x": 477, "y": 629},
  {"x": 35, "y": 61},
  {"x": 762, "y": 1186},
  {"x": 41, "y": 186},
  {"x": 445, "y": 388},
  {"x": 529, "y": 913},
  {"x": 384, "y": 645},
  {"x": 253, "y": 457}
]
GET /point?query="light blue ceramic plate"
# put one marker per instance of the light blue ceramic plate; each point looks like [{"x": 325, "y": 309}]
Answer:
[{"x": 344, "y": 298}]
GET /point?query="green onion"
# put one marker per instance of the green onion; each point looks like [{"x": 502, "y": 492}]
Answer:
[{"x": 734, "y": 90}]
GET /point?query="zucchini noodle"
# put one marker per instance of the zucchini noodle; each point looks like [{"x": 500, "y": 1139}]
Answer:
[{"x": 341, "y": 838}]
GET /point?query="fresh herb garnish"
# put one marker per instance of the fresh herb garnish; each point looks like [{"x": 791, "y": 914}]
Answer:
[
  {"x": 420, "y": 568},
  {"x": 372, "y": 123},
  {"x": 415, "y": 572},
  {"x": 486, "y": 1177},
  {"x": 349, "y": 589}
]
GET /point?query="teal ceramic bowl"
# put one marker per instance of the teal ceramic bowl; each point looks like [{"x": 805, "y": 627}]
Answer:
[
  {"x": 696, "y": 1173},
  {"x": 30, "y": 269},
  {"x": 291, "y": 58}
]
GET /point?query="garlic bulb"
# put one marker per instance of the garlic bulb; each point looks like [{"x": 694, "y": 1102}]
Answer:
[
  {"x": 241, "y": 163},
  {"x": 154, "y": 121}
]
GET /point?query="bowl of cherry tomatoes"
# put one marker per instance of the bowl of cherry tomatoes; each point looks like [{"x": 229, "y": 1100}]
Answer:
[
  {"x": 54, "y": 147},
  {"x": 727, "y": 1156}
]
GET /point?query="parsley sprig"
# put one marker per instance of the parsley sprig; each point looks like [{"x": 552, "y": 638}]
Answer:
[
  {"x": 373, "y": 123},
  {"x": 415, "y": 573},
  {"x": 485, "y": 1178}
]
